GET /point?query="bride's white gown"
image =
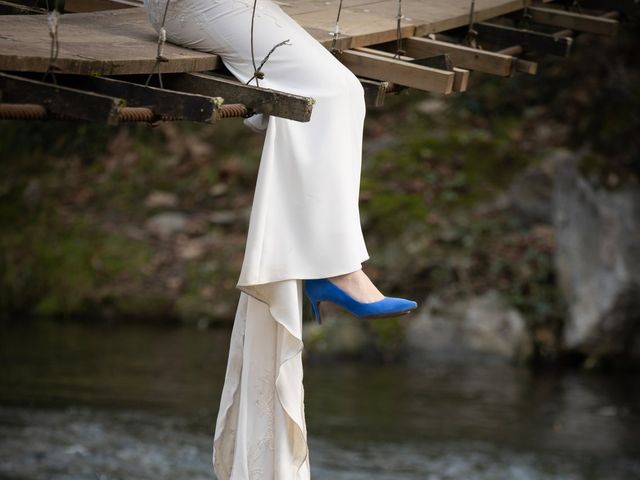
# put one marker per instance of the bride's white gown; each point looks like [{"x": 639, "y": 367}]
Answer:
[{"x": 304, "y": 223}]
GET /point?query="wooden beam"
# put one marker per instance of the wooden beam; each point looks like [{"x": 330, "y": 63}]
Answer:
[
  {"x": 466, "y": 57},
  {"x": 257, "y": 100},
  {"x": 112, "y": 42},
  {"x": 60, "y": 101},
  {"x": 374, "y": 91},
  {"x": 520, "y": 65},
  {"x": 529, "y": 40},
  {"x": 461, "y": 76},
  {"x": 628, "y": 7},
  {"x": 574, "y": 21},
  {"x": 13, "y": 8},
  {"x": 78, "y": 6},
  {"x": 376, "y": 66},
  {"x": 441, "y": 62},
  {"x": 167, "y": 104}
]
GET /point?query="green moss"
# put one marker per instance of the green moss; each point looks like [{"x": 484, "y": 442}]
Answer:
[{"x": 52, "y": 267}]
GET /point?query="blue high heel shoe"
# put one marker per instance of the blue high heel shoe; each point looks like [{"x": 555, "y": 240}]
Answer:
[{"x": 323, "y": 289}]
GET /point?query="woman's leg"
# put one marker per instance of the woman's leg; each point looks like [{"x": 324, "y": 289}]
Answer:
[
  {"x": 304, "y": 223},
  {"x": 305, "y": 220}
]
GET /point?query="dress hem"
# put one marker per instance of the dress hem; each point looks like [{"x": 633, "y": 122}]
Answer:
[{"x": 299, "y": 276}]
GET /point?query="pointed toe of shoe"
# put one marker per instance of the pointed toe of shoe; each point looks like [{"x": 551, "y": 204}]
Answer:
[
  {"x": 391, "y": 306},
  {"x": 401, "y": 304}
]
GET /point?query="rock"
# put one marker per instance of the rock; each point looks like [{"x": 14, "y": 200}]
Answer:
[
  {"x": 32, "y": 194},
  {"x": 161, "y": 198},
  {"x": 531, "y": 192},
  {"x": 597, "y": 262},
  {"x": 223, "y": 217},
  {"x": 482, "y": 328},
  {"x": 195, "y": 248},
  {"x": 167, "y": 224},
  {"x": 432, "y": 106},
  {"x": 218, "y": 189}
]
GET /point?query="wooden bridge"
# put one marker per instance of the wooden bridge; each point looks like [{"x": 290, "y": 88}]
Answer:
[{"x": 106, "y": 49}]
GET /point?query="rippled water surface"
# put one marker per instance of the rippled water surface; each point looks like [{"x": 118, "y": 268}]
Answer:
[{"x": 139, "y": 402}]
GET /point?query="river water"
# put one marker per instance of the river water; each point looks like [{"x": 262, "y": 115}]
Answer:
[{"x": 138, "y": 402}]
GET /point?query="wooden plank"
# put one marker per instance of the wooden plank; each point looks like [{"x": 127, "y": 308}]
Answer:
[
  {"x": 14, "y": 8},
  {"x": 372, "y": 22},
  {"x": 461, "y": 76},
  {"x": 574, "y": 21},
  {"x": 114, "y": 42},
  {"x": 528, "y": 39},
  {"x": 167, "y": 104},
  {"x": 258, "y": 100},
  {"x": 629, "y": 8},
  {"x": 117, "y": 42},
  {"x": 60, "y": 101},
  {"x": 461, "y": 55},
  {"x": 376, "y": 66},
  {"x": 374, "y": 92},
  {"x": 520, "y": 65},
  {"x": 79, "y": 6}
]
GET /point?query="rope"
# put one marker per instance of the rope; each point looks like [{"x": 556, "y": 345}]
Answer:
[
  {"x": 578, "y": 5},
  {"x": 472, "y": 34},
  {"x": 258, "y": 74},
  {"x": 525, "y": 21},
  {"x": 52, "y": 20},
  {"x": 336, "y": 31},
  {"x": 162, "y": 39},
  {"x": 399, "y": 17}
]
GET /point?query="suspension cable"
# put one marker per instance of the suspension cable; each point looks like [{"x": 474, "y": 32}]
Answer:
[
  {"x": 399, "y": 17},
  {"x": 471, "y": 38},
  {"x": 52, "y": 21},
  {"x": 162, "y": 38},
  {"x": 258, "y": 74},
  {"x": 336, "y": 31}
]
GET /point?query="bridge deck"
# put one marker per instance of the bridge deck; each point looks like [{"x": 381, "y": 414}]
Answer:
[{"x": 122, "y": 41}]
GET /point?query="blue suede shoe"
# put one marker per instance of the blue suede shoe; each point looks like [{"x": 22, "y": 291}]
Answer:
[{"x": 323, "y": 289}]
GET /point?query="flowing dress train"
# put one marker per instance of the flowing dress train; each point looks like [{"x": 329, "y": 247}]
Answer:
[{"x": 304, "y": 223}]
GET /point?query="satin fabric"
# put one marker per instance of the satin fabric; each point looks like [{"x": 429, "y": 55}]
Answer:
[{"x": 304, "y": 223}]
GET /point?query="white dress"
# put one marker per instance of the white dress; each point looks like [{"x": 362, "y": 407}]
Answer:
[{"x": 304, "y": 223}]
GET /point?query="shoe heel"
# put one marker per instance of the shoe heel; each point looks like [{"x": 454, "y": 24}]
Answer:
[{"x": 315, "y": 308}]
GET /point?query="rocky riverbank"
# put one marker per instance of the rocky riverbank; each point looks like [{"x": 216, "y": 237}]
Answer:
[{"x": 510, "y": 212}]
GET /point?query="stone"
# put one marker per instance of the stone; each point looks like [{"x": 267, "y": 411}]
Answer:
[
  {"x": 161, "y": 199},
  {"x": 432, "y": 106},
  {"x": 531, "y": 192},
  {"x": 167, "y": 224},
  {"x": 597, "y": 262},
  {"x": 223, "y": 217},
  {"x": 481, "y": 328}
]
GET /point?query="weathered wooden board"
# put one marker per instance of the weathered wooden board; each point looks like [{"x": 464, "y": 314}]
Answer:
[
  {"x": 123, "y": 42},
  {"x": 113, "y": 42}
]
